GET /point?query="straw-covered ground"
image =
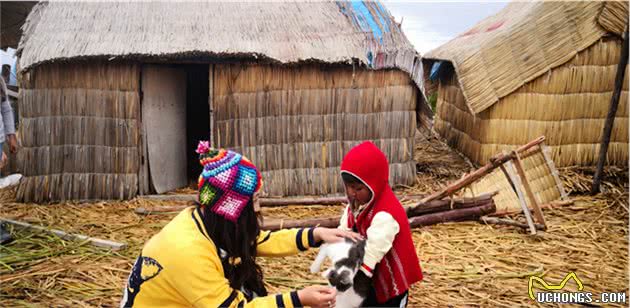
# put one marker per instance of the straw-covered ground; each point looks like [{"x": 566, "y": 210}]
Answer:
[{"x": 465, "y": 264}]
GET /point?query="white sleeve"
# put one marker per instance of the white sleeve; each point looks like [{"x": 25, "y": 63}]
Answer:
[
  {"x": 380, "y": 238},
  {"x": 343, "y": 222}
]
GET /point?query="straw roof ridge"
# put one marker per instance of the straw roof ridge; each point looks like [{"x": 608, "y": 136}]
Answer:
[
  {"x": 286, "y": 33},
  {"x": 523, "y": 41},
  {"x": 283, "y": 32}
]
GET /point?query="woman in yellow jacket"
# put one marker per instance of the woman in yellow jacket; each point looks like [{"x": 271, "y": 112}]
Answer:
[{"x": 206, "y": 256}]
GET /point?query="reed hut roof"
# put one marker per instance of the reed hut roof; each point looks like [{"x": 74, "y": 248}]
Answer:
[
  {"x": 523, "y": 41},
  {"x": 288, "y": 33}
]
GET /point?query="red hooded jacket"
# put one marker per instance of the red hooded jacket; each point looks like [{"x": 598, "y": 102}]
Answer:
[{"x": 400, "y": 267}]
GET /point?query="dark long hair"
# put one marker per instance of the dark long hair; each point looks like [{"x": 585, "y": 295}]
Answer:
[{"x": 239, "y": 240}]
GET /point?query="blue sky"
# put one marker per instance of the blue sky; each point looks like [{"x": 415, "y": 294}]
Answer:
[{"x": 431, "y": 24}]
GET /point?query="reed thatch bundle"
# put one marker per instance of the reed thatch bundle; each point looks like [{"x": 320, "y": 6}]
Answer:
[{"x": 552, "y": 73}]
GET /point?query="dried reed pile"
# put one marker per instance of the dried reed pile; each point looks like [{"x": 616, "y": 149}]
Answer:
[
  {"x": 579, "y": 180},
  {"x": 466, "y": 264},
  {"x": 436, "y": 163},
  {"x": 43, "y": 270}
]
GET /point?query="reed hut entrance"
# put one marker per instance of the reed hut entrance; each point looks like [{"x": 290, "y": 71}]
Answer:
[
  {"x": 197, "y": 116},
  {"x": 174, "y": 117}
]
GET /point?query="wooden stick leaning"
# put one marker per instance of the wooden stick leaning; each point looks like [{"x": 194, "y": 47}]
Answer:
[
  {"x": 67, "y": 236},
  {"x": 516, "y": 185},
  {"x": 612, "y": 111},
  {"x": 530, "y": 194},
  {"x": 507, "y": 222}
]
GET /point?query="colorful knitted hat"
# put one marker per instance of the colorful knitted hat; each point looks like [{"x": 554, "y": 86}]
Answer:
[{"x": 228, "y": 181}]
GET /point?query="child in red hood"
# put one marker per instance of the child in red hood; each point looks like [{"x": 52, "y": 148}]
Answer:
[{"x": 375, "y": 213}]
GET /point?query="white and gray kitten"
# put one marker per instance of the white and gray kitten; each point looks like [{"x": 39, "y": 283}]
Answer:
[{"x": 346, "y": 257}]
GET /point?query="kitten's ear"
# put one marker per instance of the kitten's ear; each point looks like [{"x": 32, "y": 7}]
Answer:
[{"x": 357, "y": 251}]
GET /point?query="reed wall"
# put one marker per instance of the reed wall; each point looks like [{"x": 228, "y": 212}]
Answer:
[
  {"x": 568, "y": 106},
  {"x": 79, "y": 132},
  {"x": 296, "y": 123}
]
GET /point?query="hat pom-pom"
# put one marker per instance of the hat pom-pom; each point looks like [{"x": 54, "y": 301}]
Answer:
[
  {"x": 205, "y": 152},
  {"x": 203, "y": 147}
]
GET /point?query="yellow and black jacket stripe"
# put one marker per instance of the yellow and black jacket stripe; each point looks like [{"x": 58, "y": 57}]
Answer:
[{"x": 184, "y": 267}]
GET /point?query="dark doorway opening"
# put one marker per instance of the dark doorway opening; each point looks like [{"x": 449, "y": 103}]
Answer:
[{"x": 197, "y": 117}]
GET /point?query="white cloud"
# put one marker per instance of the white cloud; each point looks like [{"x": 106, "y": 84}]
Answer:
[
  {"x": 422, "y": 36},
  {"x": 428, "y": 25}
]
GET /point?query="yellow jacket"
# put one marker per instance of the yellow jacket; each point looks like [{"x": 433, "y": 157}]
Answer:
[{"x": 180, "y": 267}]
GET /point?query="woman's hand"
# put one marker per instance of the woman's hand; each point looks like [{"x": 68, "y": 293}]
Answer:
[
  {"x": 317, "y": 296},
  {"x": 330, "y": 235}
]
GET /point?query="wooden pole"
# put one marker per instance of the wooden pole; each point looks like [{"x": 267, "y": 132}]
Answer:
[
  {"x": 546, "y": 152},
  {"x": 528, "y": 190},
  {"x": 612, "y": 111},
  {"x": 521, "y": 197},
  {"x": 473, "y": 213},
  {"x": 449, "y": 204},
  {"x": 211, "y": 104},
  {"x": 277, "y": 224},
  {"x": 67, "y": 236},
  {"x": 453, "y": 215},
  {"x": 479, "y": 173},
  {"x": 507, "y": 222}
]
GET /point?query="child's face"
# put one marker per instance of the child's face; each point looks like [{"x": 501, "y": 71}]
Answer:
[{"x": 358, "y": 192}]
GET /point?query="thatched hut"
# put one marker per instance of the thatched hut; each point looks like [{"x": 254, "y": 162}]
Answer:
[
  {"x": 534, "y": 68},
  {"x": 116, "y": 95}
]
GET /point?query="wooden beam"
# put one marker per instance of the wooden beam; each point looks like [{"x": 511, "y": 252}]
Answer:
[
  {"x": 479, "y": 173},
  {"x": 277, "y": 224},
  {"x": 612, "y": 111},
  {"x": 528, "y": 190},
  {"x": 211, "y": 140},
  {"x": 473, "y": 213},
  {"x": 508, "y": 222},
  {"x": 453, "y": 215},
  {"x": 449, "y": 204},
  {"x": 546, "y": 152},
  {"x": 67, "y": 236},
  {"x": 516, "y": 185}
]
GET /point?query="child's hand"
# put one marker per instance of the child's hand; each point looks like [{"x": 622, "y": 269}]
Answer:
[{"x": 330, "y": 235}]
